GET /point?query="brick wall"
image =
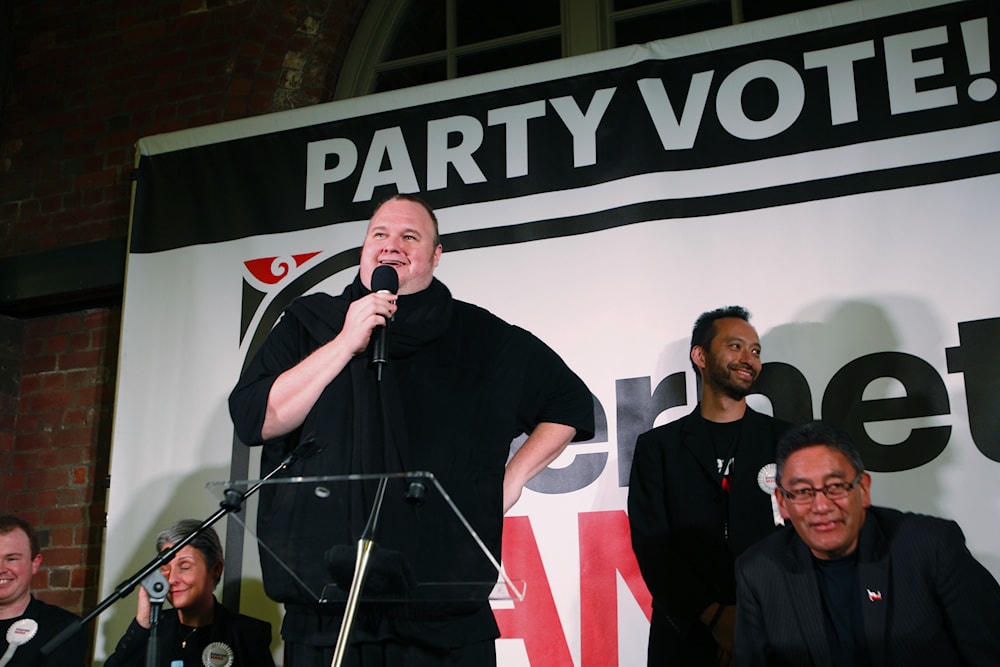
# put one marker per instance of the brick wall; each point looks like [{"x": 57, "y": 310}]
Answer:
[
  {"x": 58, "y": 463},
  {"x": 90, "y": 78},
  {"x": 85, "y": 79}
]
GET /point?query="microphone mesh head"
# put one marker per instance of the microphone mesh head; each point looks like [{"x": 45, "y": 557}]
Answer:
[{"x": 385, "y": 279}]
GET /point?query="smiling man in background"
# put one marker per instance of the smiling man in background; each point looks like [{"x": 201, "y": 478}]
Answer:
[
  {"x": 699, "y": 495},
  {"x": 27, "y": 623}
]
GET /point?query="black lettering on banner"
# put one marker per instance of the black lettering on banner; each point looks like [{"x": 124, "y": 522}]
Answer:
[
  {"x": 978, "y": 360},
  {"x": 926, "y": 396}
]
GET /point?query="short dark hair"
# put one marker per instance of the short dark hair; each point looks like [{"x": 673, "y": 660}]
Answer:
[
  {"x": 9, "y": 522},
  {"x": 704, "y": 327},
  {"x": 207, "y": 542},
  {"x": 816, "y": 433},
  {"x": 402, "y": 196}
]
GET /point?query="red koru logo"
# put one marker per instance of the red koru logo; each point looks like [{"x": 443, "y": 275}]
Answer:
[{"x": 272, "y": 270}]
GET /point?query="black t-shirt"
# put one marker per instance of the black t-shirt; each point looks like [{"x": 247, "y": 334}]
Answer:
[
  {"x": 724, "y": 436},
  {"x": 51, "y": 620},
  {"x": 838, "y": 586}
]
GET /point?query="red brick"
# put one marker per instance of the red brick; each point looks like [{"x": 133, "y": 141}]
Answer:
[
  {"x": 21, "y": 503},
  {"x": 63, "y": 597},
  {"x": 76, "y": 417},
  {"x": 29, "y": 423},
  {"x": 12, "y": 483},
  {"x": 64, "y": 515},
  {"x": 78, "y": 577},
  {"x": 72, "y": 437},
  {"x": 80, "y": 474},
  {"x": 47, "y": 459},
  {"x": 79, "y": 340},
  {"x": 33, "y": 441},
  {"x": 46, "y": 498},
  {"x": 68, "y": 323},
  {"x": 62, "y": 536},
  {"x": 84, "y": 359},
  {"x": 52, "y": 400},
  {"x": 52, "y": 381},
  {"x": 58, "y": 578},
  {"x": 100, "y": 318},
  {"x": 89, "y": 396},
  {"x": 73, "y": 496},
  {"x": 48, "y": 479},
  {"x": 71, "y": 555},
  {"x": 75, "y": 455},
  {"x": 32, "y": 383},
  {"x": 41, "y": 363},
  {"x": 83, "y": 377}
]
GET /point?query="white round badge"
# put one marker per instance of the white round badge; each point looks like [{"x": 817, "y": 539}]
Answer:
[
  {"x": 767, "y": 478},
  {"x": 22, "y": 631},
  {"x": 217, "y": 654}
]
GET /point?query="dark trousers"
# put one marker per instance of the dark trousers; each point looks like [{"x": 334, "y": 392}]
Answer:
[
  {"x": 667, "y": 647},
  {"x": 390, "y": 654}
]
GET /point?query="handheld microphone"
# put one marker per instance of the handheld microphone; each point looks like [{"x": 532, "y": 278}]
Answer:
[{"x": 385, "y": 280}]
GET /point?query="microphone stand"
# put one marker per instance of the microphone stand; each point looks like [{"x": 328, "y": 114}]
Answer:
[
  {"x": 366, "y": 547},
  {"x": 156, "y": 586},
  {"x": 232, "y": 502}
]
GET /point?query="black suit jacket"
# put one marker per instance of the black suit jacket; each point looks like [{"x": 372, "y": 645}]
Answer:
[
  {"x": 678, "y": 515},
  {"x": 248, "y": 637},
  {"x": 925, "y": 599}
]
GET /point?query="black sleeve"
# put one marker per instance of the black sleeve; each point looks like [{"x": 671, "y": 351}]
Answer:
[
  {"x": 677, "y": 589},
  {"x": 70, "y": 653},
  {"x": 248, "y": 400},
  {"x": 751, "y": 635},
  {"x": 969, "y": 595},
  {"x": 552, "y": 392},
  {"x": 131, "y": 648},
  {"x": 257, "y": 636}
]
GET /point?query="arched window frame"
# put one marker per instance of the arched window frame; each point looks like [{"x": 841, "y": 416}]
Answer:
[{"x": 586, "y": 26}]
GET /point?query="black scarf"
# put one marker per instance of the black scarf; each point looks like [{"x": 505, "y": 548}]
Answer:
[{"x": 421, "y": 318}]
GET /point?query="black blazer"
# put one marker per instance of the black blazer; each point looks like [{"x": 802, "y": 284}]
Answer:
[
  {"x": 678, "y": 515},
  {"x": 925, "y": 599},
  {"x": 248, "y": 637}
]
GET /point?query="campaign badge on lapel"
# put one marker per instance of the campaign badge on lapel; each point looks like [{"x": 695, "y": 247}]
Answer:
[{"x": 217, "y": 654}]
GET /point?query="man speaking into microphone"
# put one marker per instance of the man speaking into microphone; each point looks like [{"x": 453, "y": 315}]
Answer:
[{"x": 456, "y": 386}]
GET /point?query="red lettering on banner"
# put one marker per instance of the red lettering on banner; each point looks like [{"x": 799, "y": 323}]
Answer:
[
  {"x": 605, "y": 550},
  {"x": 534, "y": 619}
]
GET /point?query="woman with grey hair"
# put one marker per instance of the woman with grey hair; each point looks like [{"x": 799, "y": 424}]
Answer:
[{"x": 197, "y": 630}]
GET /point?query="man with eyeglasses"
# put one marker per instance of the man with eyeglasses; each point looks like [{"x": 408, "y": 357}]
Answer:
[{"x": 856, "y": 584}]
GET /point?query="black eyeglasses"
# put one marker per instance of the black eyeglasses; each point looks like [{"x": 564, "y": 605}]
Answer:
[{"x": 833, "y": 491}]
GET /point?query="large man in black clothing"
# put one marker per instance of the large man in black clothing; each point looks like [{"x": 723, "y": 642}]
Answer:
[
  {"x": 699, "y": 495},
  {"x": 26, "y": 623},
  {"x": 459, "y": 385}
]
